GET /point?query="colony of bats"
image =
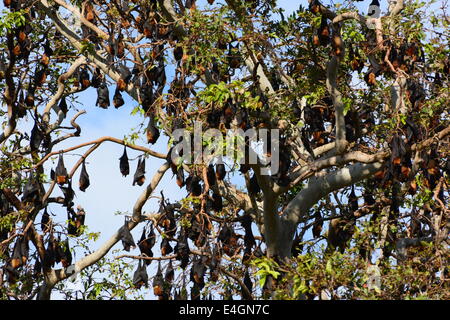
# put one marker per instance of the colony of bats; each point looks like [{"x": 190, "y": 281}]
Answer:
[{"x": 146, "y": 74}]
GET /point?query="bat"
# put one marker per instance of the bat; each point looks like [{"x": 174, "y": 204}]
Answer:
[
  {"x": 146, "y": 244},
  {"x": 324, "y": 32},
  {"x": 182, "y": 250},
  {"x": 254, "y": 187},
  {"x": 166, "y": 248},
  {"x": 234, "y": 59},
  {"x": 217, "y": 204},
  {"x": 89, "y": 12},
  {"x": 75, "y": 221},
  {"x": 198, "y": 270},
  {"x": 49, "y": 255},
  {"x": 225, "y": 233},
  {"x": 96, "y": 78},
  {"x": 118, "y": 99},
  {"x": 146, "y": 95},
  {"x": 220, "y": 171},
  {"x": 170, "y": 273},
  {"x": 139, "y": 175},
  {"x": 71, "y": 224},
  {"x": 84, "y": 178},
  {"x": 63, "y": 105},
  {"x": 193, "y": 185},
  {"x": 102, "y": 96},
  {"x": 353, "y": 200},
  {"x": 68, "y": 193},
  {"x": 317, "y": 225},
  {"x": 125, "y": 76},
  {"x": 126, "y": 237},
  {"x": 16, "y": 259},
  {"x": 140, "y": 276},
  {"x": 84, "y": 79},
  {"x": 158, "y": 282},
  {"x": 124, "y": 164},
  {"x": 152, "y": 131},
  {"x": 178, "y": 53},
  {"x": 249, "y": 239},
  {"x": 66, "y": 256},
  {"x": 48, "y": 52},
  {"x": 211, "y": 175},
  {"x": 45, "y": 219},
  {"x": 61, "y": 171},
  {"x": 180, "y": 177},
  {"x": 337, "y": 45},
  {"x": 30, "y": 190}
]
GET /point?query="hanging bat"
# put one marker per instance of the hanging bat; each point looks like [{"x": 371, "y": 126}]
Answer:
[
  {"x": 225, "y": 234},
  {"x": 140, "y": 276},
  {"x": 158, "y": 282},
  {"x": 29, "y": 99},
  {"x": 68, "y": 193},
  {"x": 146, "y": 95},
  {"x": 16, "y": 259},
  {"x": 220, "y": 171},
  {"x": 249, "y": 239},
  {"x": 126, "y": 237},
  {"x": 124, "y": 164},
  {"x": 84, "y": 178},
  {"x": 63, "y": 105},
  {"x": 248, "y": 283},
  {"x": 324, "y": 32},
  {"x": 65, "y": 254},
  {"x": 83, "y": 78},
  {"x": 166, "y": 248},
  {"x": 125, "y": 76},
  {"x": 102, "y": 96},
  {"x": 180, "y": 177},
  {"x": 49, "y": 255},
  {"x": 48, "y": 52},
  {"x": 89, "y": 12},
  {"x": 182, "y": 250},
  {"x": 198, "y": 270},
  {"x": 96, "y": 78},
  {"x": 211, "y": 175},
  {"x": 45, "y": 220},
  {"x": 337, "y": 45},
  {"x": 254, "y": 187},
  {"x": 193, "y": 185},
  {"x": 170, "y": 273},
  {"x": 152, "y": 131},
  {"x": 139, "y": 175},
  {"x": 30, "y": 190},
  {"x": 118, "y": 99},
  {"x": 317, "y": 226},
  {"x": 217, "y": 204},
  {"x": 146, "y": 244},
  {"x": 315, "y": 6},
  {"x": 36, "y": 137},
  {"x": 71, "y": 223},
  {"x": 178, "y": 53},
  {"x": 61, "y": 171}
]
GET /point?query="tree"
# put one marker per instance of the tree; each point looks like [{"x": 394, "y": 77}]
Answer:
[{"x": 358, "y": 205}]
